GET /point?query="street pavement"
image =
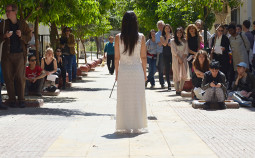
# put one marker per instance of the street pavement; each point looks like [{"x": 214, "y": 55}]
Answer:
[{"x": 80, "y": 123}]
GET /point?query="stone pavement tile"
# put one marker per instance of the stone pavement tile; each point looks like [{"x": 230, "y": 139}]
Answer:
[
  {"x": 150, "y": 144},
  {"x": 151, "y": 156},
  {"x": 76, "y": 139}
]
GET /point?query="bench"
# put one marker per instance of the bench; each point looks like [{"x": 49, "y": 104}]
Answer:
[{"x": 229, "y": 103}]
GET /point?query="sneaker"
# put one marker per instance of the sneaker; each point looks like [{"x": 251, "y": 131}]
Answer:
[
  {"x": 162, "y": 86},
  {"x": 38, "y": 94},
  {"x": 11, "y": 104},
  {"x": 3, "y": 107},
  {"x": 22, "y": 104},
  {"x": 152, "y": 86},
  {"x": 178, "y": 93},
  {"x": 222, "y": 105},
  {"x": 169, "y": 88},
  {"x": 206, "y": 106}
]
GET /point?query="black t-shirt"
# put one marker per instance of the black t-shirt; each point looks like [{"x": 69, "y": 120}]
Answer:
[
  {"x": 209, "y": 78},
  {"x": 193, "y": 43},
  {"x": 15, "y": 45},
  {"x": 66, "y": 49}
]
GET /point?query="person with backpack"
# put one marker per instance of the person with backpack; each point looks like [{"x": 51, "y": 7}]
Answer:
[{"x": 240, "y": 46}]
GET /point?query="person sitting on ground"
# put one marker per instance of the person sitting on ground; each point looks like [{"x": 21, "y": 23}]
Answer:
[
  {"x": 49, "y": 65},
  {"x": 214, "y": 85},
  {"x": 34, "y": 77},
  {"x": 61, "y": 66},
  {"x": 244, "y": 87},
  {"x": 200, "y": 66}
]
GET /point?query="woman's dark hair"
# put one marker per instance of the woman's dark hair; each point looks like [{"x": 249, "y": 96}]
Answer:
[
  {"x": 196, "y": 63},
  {"x": 214, "y": 65},
  {"x": 64, "y": 30},
  {"x": 166, "y": 25},
  {"x": 30, "y": 56},
  {"x": 220, "y": 26},
  {"x": 176, "y": 40},
  {"x": 151, "y": 32},
  {"x": 129, "y": 32},
  {"x": 188, "y": 35}
]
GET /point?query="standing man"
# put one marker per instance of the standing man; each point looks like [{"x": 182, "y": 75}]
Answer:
[
  {"x": 253, "y": 31},
  {"x": 16, "y": 36},
  {"x": 160, "y": 59},
  {"x": 109, "y": 49}
]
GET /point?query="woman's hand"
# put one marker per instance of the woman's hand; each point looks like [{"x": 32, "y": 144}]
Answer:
[
  {"x": 116, "y": 77},
  {"x": 47, "y": 73},
  {"x": 212, "y": 84}
]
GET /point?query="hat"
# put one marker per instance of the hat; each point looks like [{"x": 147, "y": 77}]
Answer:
[{"x": 242, "y": 64}]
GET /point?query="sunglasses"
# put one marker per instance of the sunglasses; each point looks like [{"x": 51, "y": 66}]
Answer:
[{"x": 32, "y": 60}]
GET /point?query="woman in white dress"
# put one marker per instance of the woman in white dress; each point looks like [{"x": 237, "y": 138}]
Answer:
[
  {"x": 180, "y": 67},
  {"x": 130, "y": 62}
]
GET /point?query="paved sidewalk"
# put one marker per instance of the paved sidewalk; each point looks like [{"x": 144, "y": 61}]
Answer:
[{"x": 80, "y": 123}]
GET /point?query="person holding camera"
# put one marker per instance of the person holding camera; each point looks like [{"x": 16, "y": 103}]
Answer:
[
  {"x": 15, "y": 34},
  {"x": 214, "y": 85}
]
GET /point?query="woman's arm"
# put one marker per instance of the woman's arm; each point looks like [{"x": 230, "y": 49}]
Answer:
[
  {"x": 42, "y": 63},
  {"x": 42, "y": 75},
  {"x": 116, "y": 55},
  {"x": 144, "y": 57},
  {"x": 55, "y": 66},
  {"x": 71, "y": 41},
  {"x": 163, "y": 41}
]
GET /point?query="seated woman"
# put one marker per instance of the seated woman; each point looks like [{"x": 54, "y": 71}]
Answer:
[
  {"x": 49, "y": 65},
  {"x": 34, "y": 77},
  {"x": 214, "y": 85},
  {"x": 200, "y": 66},
  {"x": 61, "y": 66},
  {"x": 244, "y": 87}
]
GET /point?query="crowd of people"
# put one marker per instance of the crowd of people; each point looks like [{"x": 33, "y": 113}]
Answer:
[
  {"x": 25, "y": 79},
  {"x": 226, "y": 71}
]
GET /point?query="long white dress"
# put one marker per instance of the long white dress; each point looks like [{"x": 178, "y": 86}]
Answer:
[{"x": 131, "y": 114}]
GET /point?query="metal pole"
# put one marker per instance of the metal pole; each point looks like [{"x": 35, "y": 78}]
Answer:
[
  {"x": 206, "y": 48},
  {"x": 112, "y": 89}
]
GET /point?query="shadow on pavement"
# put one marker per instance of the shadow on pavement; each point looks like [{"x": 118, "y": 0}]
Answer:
[
  {"x": 121, "y": 136},
  {"x": 49, "y": 111},
  {"x": 87, "y": 89},
  {"x": 58, "y": 99},
  {"x": 84, "y": 81}
]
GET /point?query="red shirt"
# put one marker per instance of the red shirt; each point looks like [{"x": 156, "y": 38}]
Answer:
[{"x": 33, "y": 73}]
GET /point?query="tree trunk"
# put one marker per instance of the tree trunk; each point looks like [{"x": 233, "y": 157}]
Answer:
[
  {"x": 97, "y": 44},
  {"x": 36, "y": 33},
  {"x": 21, "y": 13},
  {"x": 78, "y": 52},
  {"x": 85, "y": 54},
  {"x": 54, "y": 37}
]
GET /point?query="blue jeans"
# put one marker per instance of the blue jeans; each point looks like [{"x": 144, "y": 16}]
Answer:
[
  {"x": 68, "y": 64},
  {"x": 152, "y": 70},
  {"x": 74, "y": 67},
  {"x": 161, "y": 69}
]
